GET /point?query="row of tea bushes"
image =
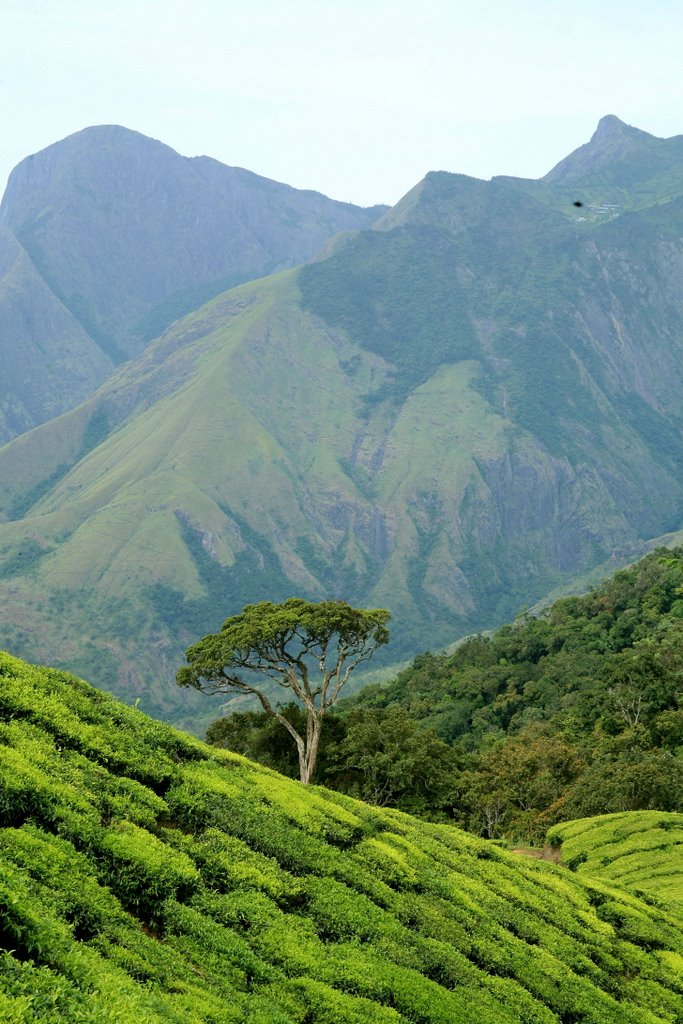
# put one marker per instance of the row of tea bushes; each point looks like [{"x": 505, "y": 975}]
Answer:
[{"x": 639, "y": 849}]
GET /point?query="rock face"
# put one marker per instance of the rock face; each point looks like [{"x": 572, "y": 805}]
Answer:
[
  {"x": 446, "y": 416},
  {"x": 108, "y": 236}
]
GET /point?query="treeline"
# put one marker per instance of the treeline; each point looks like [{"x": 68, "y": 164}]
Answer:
[{"x": 576, "y": 712}]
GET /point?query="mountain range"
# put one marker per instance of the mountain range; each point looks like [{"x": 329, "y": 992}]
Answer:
[{"x": 447, "y": 413}]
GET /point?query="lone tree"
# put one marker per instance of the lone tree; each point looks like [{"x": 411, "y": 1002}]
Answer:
[{"x": 307, "y": 648}]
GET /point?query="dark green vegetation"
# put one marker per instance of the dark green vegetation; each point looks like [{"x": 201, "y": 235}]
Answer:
[
  {"x": 449, "y": 416},
  {"x": 107, "y": 237},
  {"x": 578, "y": 712},
  {"x": 306, "y": 648},
  {"x": 642, "y": 850},
  {"x": 147, "y": 877},
  {"x": 380, "y": 755}
]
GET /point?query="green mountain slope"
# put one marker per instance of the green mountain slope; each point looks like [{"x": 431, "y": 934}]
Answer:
[
  {"x": 447, "y": 416},
  {"x": 145, "y": 876},
  {"x": 619, "y": 559},
  {"x": 117, "y": 237},
  {"x": 620, "y": 169},
  {"x": 43, "y": 347},
  {"x": 619, "y": 154},
  {"x": 641, "y": 850}
]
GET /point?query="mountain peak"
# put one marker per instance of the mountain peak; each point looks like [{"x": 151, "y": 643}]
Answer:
[
  {"x": 617, "y": 151},
  {"x": 611, "y": 127}
]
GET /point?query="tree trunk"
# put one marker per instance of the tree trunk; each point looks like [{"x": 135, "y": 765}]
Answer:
[{"x": 308, "y": 760}]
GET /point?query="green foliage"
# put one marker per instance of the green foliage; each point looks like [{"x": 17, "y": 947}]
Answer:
[
  {"x": 260, "y": 737},
  {"x": 576, "y": 712},
  {"x": 277, "y": 638},
  {"x": 381, "y": 756},
  {"x": 241, "y": 896},
  {"x": 397, "y": 294},
  {"x": 142, "y": 870},
  {"x": 24, "y": 558},
  {"x": 387, "y": 760}
]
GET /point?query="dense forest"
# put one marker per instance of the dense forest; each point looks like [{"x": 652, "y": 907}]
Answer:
[{"x": 575, "y": 712}]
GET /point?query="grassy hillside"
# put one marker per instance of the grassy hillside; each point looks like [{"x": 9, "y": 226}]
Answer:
[
  {"x": 107, "y": 237},
  {"x": 145, "y": 876},
  {"x": 49, "y": 362},
  {"x": 641, "y": 850}
]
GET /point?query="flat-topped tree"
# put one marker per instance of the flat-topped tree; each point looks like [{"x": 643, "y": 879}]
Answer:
[{"x": 308, "y": 648}]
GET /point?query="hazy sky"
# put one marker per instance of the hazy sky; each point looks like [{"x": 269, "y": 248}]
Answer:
[{"x": 355, "y": 98}]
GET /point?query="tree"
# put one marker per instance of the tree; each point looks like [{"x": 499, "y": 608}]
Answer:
[
  {"x": 307, "y": 648},
  {"x": 386, "y": 759},
  {"x": 516, "y": 784},
  {"x": 627, "y": 774},
  {"x": 261, "y": 738}
]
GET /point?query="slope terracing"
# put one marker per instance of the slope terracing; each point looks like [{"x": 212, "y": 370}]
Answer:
[
  {"x": 147, "y": 877},
  {"x": 641, "y": 850}
]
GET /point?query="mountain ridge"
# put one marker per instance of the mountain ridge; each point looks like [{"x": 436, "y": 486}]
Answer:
[
  {"x": 616, "y": 149},
  {"x": 128, "y": 235}
]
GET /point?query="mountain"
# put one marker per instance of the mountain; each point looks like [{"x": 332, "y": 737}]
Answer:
[
  {"x": 447, "y": 415},
  {"x": 108, "y": 236},
  {"x": 147, "y": 877},
  {"x": 619, "y": 154},
  {"x": 621, "y": 168},
  {"x": 49, "y": 361}
]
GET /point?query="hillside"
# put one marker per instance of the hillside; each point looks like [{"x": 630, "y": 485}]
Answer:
[
  {"x": 448, "y": 416},
  {"x": 108, "y": 236},
  {"x": 640, "y": 850},
  {"x": 145, "y": 876}
]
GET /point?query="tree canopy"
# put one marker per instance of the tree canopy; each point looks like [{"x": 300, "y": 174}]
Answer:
[{"x": 307, "y": 648}]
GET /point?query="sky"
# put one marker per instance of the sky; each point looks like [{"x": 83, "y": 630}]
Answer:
[{"x": 358, "y": 99}]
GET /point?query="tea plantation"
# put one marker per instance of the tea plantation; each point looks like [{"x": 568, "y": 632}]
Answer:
[
  {"x": 639, "y": 849},
  {"x": 146, "y": 877}
]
